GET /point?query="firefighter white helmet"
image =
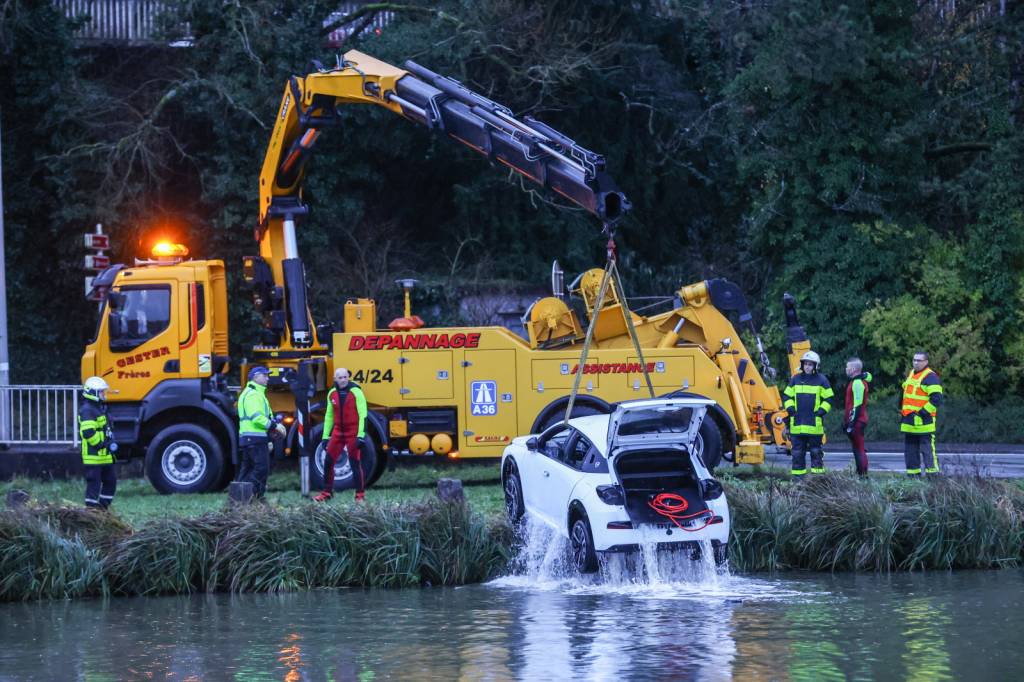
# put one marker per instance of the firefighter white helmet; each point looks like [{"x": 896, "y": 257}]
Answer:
[
  {"x": 811, "y": 356},
  {"x": 94, "y": 386}
]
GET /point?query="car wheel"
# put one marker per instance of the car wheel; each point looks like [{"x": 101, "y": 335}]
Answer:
[
  {"x": 184, "y": 458},
  {"x": 581, "y": 545},
  {"x": 721, "y": 553},
  {"x": 513, "y": 485}
]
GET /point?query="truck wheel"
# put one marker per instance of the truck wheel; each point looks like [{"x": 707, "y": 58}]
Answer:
[
  {"x": 577, "y": 411},
  {"x": 708, "y": 444},
  {"x": 184, "y": 458},
  {"x": 345, "y": 480}
]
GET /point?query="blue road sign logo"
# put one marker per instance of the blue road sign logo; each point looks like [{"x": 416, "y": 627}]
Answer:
[{"x": 483, "y": 398}]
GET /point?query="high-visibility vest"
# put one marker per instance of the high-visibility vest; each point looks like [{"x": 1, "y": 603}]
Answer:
[
  {"x": 92, "y": 430},
  {"x": 918, "y": 388},
  {"x": 254, "y": 417}
]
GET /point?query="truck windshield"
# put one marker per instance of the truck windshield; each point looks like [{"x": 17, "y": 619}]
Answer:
[{"x": 146, "y": 312}]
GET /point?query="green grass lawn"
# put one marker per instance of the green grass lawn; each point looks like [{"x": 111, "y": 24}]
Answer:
[{"x": 137, "y": 502}]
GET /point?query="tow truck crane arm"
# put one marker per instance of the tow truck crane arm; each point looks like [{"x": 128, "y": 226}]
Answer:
[{"x": 310, "y": 104}]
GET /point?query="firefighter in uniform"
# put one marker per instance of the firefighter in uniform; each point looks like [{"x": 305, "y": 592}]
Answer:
[
  {"x": 344, "y": 429},
  {"x": 855, "y": 418},
  {"x": 808, "y": 400},
  {"x": 255, "y": 423},
  {"x": 98, "y": 446},
  {"x": 919, "y": 404}
]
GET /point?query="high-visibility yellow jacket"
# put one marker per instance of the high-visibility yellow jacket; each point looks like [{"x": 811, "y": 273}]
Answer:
[
  {"x": 93, "y": 432},
  {"x": 254, "y": 415},
  {"x": 808, "y": 400}
]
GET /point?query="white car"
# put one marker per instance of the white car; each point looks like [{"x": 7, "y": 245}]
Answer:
[{"x": 615, "y": 482}]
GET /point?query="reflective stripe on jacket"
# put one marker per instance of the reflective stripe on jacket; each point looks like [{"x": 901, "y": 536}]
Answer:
[
  {"x": 92, "y": 430},
  {"x": 919, "y": 405},
  {"x": 808, "y": 400},
  {"x": 254, "y": 416},
  {"x": 346, "y": 412}
]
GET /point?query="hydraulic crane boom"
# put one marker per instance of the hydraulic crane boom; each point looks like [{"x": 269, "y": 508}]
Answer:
[{"x": 310, "y": 104}]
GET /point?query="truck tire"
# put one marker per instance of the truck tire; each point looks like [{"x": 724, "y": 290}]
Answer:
[
  {"x": 709, "y": 444},
  {"x": 579, "y": 410},
  {"x": 316, "y": 469},
  {"x": 184, "y": 458}
]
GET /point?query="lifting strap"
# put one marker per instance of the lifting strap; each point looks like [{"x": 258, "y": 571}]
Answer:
[{"x": 611, "y": 274}]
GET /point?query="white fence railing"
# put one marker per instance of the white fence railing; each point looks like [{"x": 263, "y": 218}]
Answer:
[
  {"x": 135, "y": 21},
  {"x": 39, "y": 415},
  {"x": 124, "y": 21}
]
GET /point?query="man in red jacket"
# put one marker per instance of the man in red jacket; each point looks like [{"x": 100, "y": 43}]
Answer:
[
  {"x": 855, "y": 418},
  {"x": 344, "y": 428}
]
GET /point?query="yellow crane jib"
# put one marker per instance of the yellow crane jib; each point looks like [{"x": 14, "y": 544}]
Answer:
[{"x": 311, "y": 104}]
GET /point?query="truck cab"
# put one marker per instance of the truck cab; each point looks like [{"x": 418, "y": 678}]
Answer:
[{"x": 162, "y": 345}]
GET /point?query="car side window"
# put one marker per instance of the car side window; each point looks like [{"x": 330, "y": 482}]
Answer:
[
  {"x": 594, "y": 462},
  {"x": 576, "y": 453},
  {"x": 553, "y": 445}
]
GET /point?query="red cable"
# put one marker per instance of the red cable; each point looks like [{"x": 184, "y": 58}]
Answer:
[{"x": 672, "y": 506}]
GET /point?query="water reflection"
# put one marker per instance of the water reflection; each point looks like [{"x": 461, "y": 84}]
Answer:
[
  {"x": 925, "y": 657},
  {"x": 816, "y": 627}
]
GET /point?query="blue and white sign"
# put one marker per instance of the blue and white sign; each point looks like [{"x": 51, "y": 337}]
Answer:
[{"x": 483, "y": 398}]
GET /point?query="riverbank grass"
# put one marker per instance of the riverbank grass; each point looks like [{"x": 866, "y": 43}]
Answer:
[{"x": 404, "y": 536}]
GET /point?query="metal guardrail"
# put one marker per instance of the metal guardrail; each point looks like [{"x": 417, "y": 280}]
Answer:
[{"x": 39, "y": 414}]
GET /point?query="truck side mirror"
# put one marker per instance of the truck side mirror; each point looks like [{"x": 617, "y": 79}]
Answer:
[
  {"x": 531, "y": 444},
  {"x": 115, "y": 300}
]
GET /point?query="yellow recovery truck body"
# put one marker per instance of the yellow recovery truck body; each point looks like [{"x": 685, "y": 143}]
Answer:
[{"x": 467, "y": 391}]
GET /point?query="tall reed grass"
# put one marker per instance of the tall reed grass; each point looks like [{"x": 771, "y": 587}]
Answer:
[
  {"x": 836, "y": 522},
  {"x": 48, "y": 552},
  {"x": 833, "y": 522}
]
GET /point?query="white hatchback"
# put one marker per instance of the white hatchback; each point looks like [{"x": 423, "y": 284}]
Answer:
[{"x": 619, "y": 481}]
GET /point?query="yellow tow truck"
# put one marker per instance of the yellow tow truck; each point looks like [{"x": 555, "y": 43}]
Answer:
[{"x": 162, "y": 337}]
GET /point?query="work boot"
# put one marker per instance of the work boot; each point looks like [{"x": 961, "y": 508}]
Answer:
[
  {"x": 360, "y": 496},
  {"x": 323, "y": 496}
]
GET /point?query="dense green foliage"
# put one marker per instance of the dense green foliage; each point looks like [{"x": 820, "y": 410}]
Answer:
[{"x": 865, "y": 156}]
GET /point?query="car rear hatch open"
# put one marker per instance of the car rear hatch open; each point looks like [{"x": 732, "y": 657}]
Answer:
[{"x": 649, "y": 446}]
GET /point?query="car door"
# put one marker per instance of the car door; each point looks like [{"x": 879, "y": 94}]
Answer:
[
  {"x": 562, "y": 471},
  {"x": 535, "y": 468}
]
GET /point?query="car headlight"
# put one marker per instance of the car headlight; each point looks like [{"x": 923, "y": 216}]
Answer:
[
  {"x": 712, "y": 489},
  {"x": 611, "y": 494}
]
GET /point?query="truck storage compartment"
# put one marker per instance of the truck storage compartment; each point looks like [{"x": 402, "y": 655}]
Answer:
[{"x": 646, "y": 473}]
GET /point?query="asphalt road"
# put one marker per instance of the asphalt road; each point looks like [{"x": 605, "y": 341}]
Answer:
[{"x": 999, "y": 461}]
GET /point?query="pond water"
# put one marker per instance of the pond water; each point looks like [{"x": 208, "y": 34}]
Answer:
[{"x": 693, "y": 624}]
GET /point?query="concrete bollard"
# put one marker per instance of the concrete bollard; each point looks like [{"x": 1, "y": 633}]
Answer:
[
  {"x": 450, "y": 490},
  {"x": 240, "y": 492},
  {"x": 17, "y": 498}
]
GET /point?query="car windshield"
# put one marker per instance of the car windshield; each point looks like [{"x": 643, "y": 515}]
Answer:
[{"x": 657, "y": 419}]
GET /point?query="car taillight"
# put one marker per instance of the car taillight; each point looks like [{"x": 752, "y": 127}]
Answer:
[
  {"x": 712, "y": 488},
  {"x": 611, "y": 494}
]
